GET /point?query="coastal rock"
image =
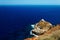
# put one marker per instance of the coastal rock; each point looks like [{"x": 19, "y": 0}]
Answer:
[
  {"x": 50, "y": 32},
  {"x": 41, "y": 27}
]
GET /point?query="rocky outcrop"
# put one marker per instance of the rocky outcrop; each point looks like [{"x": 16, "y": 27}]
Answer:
[
  {"x": 51, "y": 32},
  {"x": 41, "y": 27}
]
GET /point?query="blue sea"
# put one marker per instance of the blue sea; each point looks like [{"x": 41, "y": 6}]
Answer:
[{"x": 15, "y": 20}]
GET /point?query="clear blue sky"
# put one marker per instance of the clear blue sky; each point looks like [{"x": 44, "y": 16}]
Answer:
[{"x": 31, "y": 2}]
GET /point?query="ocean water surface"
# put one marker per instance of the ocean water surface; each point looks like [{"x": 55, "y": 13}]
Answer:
[{"x": 15, "y": 20}]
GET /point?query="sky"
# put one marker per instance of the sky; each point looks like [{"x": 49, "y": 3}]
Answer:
[{"x": 29, "y": 2}]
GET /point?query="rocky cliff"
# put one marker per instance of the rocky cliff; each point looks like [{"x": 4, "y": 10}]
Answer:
[{"x": 51, "y": 32}]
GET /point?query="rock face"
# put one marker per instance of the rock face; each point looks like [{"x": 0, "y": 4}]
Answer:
[
  {"x": 44, "y": 30},
  {"x": 41, "y": 27}
]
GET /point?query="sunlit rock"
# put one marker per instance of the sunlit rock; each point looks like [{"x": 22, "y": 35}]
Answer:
[
  {"x": 44, "y": 30},
  {"x": 40, "y": 27}
]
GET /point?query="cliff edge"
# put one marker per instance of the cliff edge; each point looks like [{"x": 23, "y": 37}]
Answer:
[{"x": 44, "y": 30}]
